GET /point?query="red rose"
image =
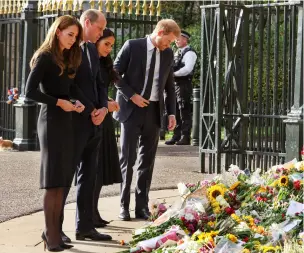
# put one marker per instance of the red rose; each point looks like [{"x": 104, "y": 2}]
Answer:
[
  {"x": 297, "y": 185},
  {"x": 229, "y": 210},
  {"x": 246, "y": 239},
  {"x": 283, "y": 215}
]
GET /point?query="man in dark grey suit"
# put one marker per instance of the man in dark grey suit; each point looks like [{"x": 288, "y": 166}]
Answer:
[{"x": 145, "y": 66}]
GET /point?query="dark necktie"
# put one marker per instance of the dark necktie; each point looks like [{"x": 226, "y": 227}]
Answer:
[
  {"x": 87, "y": 53},
  {"x": 149, "y": 84}
]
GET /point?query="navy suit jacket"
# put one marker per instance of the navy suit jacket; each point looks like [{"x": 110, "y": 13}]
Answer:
[
  {"x": 86, "y": 79},
  {"x": 130, "y": 63}
]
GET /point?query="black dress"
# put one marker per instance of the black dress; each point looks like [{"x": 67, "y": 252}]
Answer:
[
  {"x": 108, "y": 164},
  {"x": 55, "y": 129}
]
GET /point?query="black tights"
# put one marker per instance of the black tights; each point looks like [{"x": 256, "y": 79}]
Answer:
[{"x": 52, "y": 205}]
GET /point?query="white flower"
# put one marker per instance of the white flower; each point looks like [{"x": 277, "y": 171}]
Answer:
[
  {"x": 189, "y": 216},
  {"x": 299, "y": 165},
  {"x": 235, "y": 170},
  {"x": 183, "y": 190},
  {"x": 223, "y": 203}
]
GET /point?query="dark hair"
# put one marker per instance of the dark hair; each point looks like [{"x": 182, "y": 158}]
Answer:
[{"x": 107, "y": 61}]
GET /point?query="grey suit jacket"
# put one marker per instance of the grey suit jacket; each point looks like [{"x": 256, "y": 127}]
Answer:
[{"x": 130, "y": 63}]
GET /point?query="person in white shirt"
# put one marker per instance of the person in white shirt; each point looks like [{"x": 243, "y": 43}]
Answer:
[
  {"x": 145, "y": 68},
  {"x": 184, "y": 62}
]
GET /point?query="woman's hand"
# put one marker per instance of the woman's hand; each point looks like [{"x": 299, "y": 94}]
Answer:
[
  {"x": 113, "y": 106},
  {"x": 65, "y": 105},
  {"x": 79, "y": 107}
]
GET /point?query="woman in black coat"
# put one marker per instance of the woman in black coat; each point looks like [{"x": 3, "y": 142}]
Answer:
[
  {"x": 108, "y": 163},
  {"x": 51, "y": 82}
]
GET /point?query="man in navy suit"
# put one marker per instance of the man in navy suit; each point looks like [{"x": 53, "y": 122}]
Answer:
[
  {"x": 87, "y": 126},
  {"x": 145, "y": 66}
]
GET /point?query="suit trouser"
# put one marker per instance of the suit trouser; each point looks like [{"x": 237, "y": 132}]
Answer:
[
  {"x": 183, "y": 90},
  {"x": 86, "y": 154},
  {"x": 140, "y": 130}
]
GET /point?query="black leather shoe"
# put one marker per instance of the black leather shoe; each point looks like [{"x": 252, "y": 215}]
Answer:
[
  {"x": 104, "y": 221},
  {"x": 185, "y": 140},
  {"x": 172, "y": 141},
  {"x": 94, "y": 235},
  {"x": 124, "y": 215},
  {"x": 142, "y": 214},
  {"x": 64, "y": 237},
  {"x": 99, "y": 224}
]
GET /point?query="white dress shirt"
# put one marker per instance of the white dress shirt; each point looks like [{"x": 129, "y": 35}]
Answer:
[
  {"x": 189, "y": 60},
  {"x": 155, "y": 85}
]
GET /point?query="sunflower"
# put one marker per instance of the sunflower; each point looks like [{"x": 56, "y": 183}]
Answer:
[
  {"x": 270, "y": 249},
  {"x": 283, "y": 181},
  {"x": 235, "y": 185},
  {"x": 215, "y": 191}
]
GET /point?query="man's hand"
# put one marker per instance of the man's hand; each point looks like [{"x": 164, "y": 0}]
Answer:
[
  {"x": 79, "y": 107},
  {"x": 113, "y": 106},
  {"x": 98, "y": 116},
  {"x": 172, "y": 122},
  {"x": 139, "y": 100}
]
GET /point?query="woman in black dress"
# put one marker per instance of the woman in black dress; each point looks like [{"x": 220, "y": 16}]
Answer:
[
  {"x": 51, "y": 82},
  {"x": 108, "y": 167}
]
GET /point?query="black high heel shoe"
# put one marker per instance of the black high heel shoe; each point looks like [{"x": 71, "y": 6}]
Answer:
[
  {"x": 46, "y": 246},
  {"x": 66, "y": 246}
]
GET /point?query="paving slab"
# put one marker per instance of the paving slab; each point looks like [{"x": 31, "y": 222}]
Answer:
[{"x": 22, "y": 235}]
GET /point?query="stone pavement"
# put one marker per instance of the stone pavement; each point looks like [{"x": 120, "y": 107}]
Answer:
[
  {"x": 19, "y": 178},
  {"x": 22, "y": 235}
]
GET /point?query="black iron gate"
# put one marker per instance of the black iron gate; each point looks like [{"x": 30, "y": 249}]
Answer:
[
  {"x": 10, "y": 69},
  {"x": 23, "y": 26},
  {"x": 251, "y": 85}
]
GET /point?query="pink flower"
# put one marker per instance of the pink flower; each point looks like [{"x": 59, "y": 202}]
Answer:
[{"x": 162, "y": 208}]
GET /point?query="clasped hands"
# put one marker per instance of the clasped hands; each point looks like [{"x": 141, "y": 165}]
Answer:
[{"x": 142, "y": 102}]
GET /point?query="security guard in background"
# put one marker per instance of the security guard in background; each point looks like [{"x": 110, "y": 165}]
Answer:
[{"x": 184, "y": 62}]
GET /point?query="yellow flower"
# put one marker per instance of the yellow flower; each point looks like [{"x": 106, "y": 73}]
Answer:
[
  {"x": 206, "y": 237},
  {"x": 270, "y": 249},
  {"x": 215, "y": 204},
  {"x": 211, "y": 224},
  {"x": 186, "y": 231},
  {"x": 274, "y": 183},
  {"x": 258, "y": 229},
  {"x": 246, "y": 251},
  {"x": 236, "y": 218},
  {"x": 215, "y": 191},
  {"x": 283, "y": 181},
  {"x": 262, "y": 189},
  {"x": 214, "y": 233},
  {"x": 249, "y": 219},
  {"x": 217, "y": 210},
  {"x": 232, "y": 237},
  {"x": 236, "y": 184}
]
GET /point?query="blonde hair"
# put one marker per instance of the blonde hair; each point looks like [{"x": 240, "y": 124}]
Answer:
[
  {"x": 168, "y": 26},
  {"x": 69, "y": 58},
  {"x": 90, "y": 14}
]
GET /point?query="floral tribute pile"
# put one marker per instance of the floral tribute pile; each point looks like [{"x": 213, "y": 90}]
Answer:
[{"x": 234, "y": 212}]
